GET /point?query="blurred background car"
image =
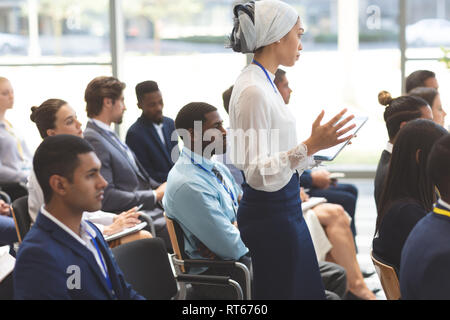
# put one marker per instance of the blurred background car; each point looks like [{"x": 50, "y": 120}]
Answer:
[
  {"x": 12, "y": 43},
  {"x": 429, "y": 32}
]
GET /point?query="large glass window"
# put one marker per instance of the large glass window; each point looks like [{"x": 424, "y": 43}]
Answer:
[
  {"x": 54, "y": 48},
  {"x": 51, "y": 49},
  {"x": 181, "y": 46}
]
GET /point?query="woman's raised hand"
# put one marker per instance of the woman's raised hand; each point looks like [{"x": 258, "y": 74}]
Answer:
[{"x": 329, "y": 134}]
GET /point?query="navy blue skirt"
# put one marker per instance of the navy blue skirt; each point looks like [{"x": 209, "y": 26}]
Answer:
[{"x": 283, "y": 257}]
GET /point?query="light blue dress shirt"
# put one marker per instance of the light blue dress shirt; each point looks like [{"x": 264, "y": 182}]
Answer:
[{"x": 203, "y": 208}]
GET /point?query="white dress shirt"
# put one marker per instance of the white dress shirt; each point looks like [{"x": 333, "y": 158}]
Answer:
[
  {"x": 159, "y": 128},
  {"x": 85, "y": 239},
  {"x": 389, "y": 147},
  {"x": 444, "y": 204},
  {"x": 269, "y": 154}
]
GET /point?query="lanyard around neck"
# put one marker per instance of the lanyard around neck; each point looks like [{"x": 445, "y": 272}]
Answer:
[
  {"x": 267, "y": 75},
  {"x": 108, "y": 280},
  {"x": 227, "y": 189}
]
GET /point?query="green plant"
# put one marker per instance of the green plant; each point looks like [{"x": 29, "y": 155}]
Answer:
[{"x": 446, "y": 58}]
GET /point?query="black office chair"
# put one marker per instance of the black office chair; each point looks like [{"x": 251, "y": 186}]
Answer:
[
  {"x": 22, "y": 219},
  {"x": 181, "y": 260},
  {"x": 146, "y": 267},
  {"x": 14, "y": 190},
  {"x": 7, "y": 288}
]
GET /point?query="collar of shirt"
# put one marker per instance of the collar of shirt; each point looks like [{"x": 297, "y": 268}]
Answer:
[
  {"x": 444, "y": 204},
  {"x": 271, "y": 75},
  {"x": 389, "y": 147},
  {"x": 84, "y": 239},
  {"x": 158, "y": 125},
  {"x": 101, "y": 124},
  {"x": 159, "y": 130},
  {"x": 198, "y": 159}
]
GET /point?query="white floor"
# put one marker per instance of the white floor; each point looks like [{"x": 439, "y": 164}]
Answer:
[{"x": 365, "y": 218}]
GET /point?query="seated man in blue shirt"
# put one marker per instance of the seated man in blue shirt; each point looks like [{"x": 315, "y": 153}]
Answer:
[
  {"x": 62, "y": 256},
  {"x": 425, "y": 259},
  {"x": 202, "y": 197}
]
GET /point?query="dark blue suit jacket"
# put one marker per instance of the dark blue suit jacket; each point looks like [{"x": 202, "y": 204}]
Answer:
[
  {"x": 425, "y": 260},
  {"x": 156, "y": 157},
  {"x": 41, "y": 270}
]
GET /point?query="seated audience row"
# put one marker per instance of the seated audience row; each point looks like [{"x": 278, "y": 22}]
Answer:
[
  {"x": 116, "y": 178},
  {"x": 54, "y": 117},
  {"x": 404, "y": 192},
  {"x": 408, "y": 192}
]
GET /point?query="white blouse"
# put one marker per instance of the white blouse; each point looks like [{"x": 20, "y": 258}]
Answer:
[{"x": 263, "y": 135}]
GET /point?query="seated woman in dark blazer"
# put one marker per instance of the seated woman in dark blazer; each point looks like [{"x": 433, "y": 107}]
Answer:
[{"x": 408, "y": 193}]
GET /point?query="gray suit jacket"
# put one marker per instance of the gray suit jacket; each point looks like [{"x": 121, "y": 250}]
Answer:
[{"x": 128, "y": 184}]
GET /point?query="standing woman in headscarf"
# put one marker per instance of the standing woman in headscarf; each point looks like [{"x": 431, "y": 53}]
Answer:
[{"x": 264, "y": 146}]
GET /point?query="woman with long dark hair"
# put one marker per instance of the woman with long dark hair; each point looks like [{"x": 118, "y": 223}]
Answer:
[{"x": 408, "y": 193}]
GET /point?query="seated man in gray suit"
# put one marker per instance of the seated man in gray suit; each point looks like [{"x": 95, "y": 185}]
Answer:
[{"x": 128, "y": 183}]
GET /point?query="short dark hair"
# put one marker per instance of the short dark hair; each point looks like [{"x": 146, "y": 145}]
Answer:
[
  {"x": 279, "y": 74},
  {"x": 100, "y": 88},
  {"x": 398, "y": 110},
  {"x": 426, "y": 93},
  {"x": 145, "y": 87},
  {"x": 418, "y": 78},
  {"x": 194, "y": 111},
  {"x": 58, "y": 155},
  {"x": 45, "y": 115},
  {"x": 226, "y": 97},
  {"x": 438, "y": 164}
]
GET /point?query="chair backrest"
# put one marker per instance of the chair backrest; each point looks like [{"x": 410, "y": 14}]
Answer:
[
  {"x": 146, "y": 267},
  {"x": 22, "y": 219},
  {"x": 5, "y": 197},
  {"x": 7, "y": 288},
  {"x": 388, "y": 278},
  {"x": 177, "y": 239}
]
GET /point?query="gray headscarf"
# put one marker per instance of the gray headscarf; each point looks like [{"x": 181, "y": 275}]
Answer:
[{"x": 258, "y": 24}]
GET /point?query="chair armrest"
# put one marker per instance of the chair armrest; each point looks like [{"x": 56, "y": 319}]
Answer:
[
  {"x": 212, "y": 280},
  {"x": 218, "y": 264},
  {"x": 203, "y": 279},
  {"x": 150, "y": 223},
  {"x": 204, "y": 262}
]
